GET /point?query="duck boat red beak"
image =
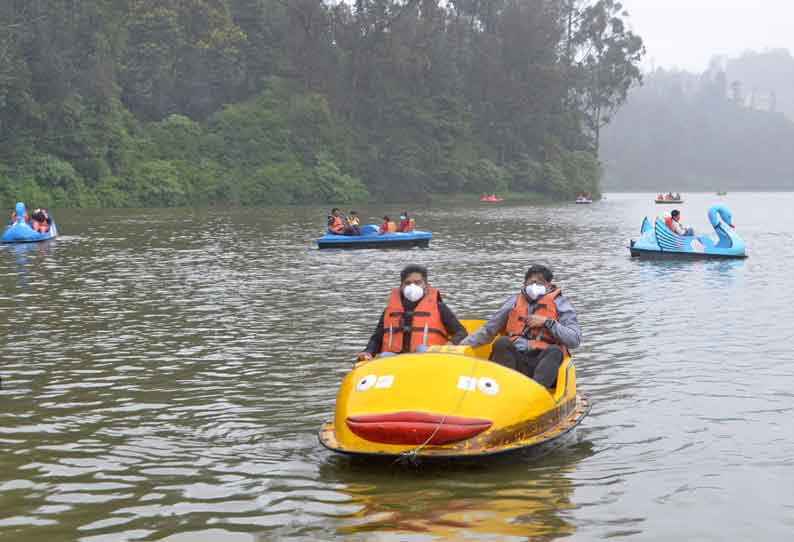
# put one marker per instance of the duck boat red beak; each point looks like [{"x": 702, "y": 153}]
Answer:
[{"x": 413, "y": 428}]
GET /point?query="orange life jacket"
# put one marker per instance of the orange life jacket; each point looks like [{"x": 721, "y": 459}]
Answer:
[
  {"x": 427, "y": 326},
  {"x": 538, "y": 337},
  {"x": 337, "y": 226},
  {"x": 668, "y": 221}
]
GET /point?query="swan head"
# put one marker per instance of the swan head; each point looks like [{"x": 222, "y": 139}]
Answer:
[
  {"x": 719, "y": 213},
  {"x": 20, "y": 211}
]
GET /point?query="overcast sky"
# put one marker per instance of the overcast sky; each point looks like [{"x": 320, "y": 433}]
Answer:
[{"x": 687, "y": 33}]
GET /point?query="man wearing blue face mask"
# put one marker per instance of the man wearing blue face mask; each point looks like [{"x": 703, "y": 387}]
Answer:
[
  {"x": 415, "y": 318},
  {"x": 539, "y": 326}
]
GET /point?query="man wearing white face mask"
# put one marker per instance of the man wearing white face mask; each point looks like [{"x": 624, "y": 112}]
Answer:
[
  {"x": 415, "y": 318},
  {"x": 539, "y": 326}
]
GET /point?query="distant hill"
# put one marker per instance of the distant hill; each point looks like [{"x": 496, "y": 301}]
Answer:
[
  {"x": 766, "y": 79},
  {"x": 721, "y": 130}
]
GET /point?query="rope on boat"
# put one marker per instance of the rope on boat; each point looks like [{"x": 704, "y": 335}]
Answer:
[{"x": 412, "y": 455}]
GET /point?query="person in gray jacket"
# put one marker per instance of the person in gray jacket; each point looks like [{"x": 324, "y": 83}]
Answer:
[{"x": 539, "y": 326}]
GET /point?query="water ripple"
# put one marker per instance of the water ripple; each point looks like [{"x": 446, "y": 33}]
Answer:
[{"x": 164, "y": 374}]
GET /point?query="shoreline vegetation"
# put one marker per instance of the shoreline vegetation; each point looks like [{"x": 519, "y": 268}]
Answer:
[
  {"x": 729, "y": 128},
  {"x": 166, "y": 103}
]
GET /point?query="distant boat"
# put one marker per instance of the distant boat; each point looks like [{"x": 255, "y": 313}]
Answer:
[
  {"x": 493, "y": 198},
  {"x": 657, "y": 240},
  {"x": 371, "y": 238},
  {"x": 584, "y": 199},
  {"x": 722, "y": 193},
  {"x": 669, "y": 198},
  {"x": 19, "y": 230}
]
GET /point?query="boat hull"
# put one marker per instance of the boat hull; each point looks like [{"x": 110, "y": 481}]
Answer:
[
  {"x": 22, "y": 233},
  {"x": 563, "y": 427},
  {"x": 669, "y": 201},
  {"x": 675, "y": 255},
  {"x": 374, "y": 243},
  {"x": 371, "y": 239}
]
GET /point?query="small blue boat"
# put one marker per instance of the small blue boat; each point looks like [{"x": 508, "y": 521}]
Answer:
[
  {"x": 20, "y": 231},
  {"x": 371, "y": 238},
  {"x": 658, "y": 241}
]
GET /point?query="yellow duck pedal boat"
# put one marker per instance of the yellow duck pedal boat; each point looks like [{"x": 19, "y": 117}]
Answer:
[{"x": 449, "y": 402}]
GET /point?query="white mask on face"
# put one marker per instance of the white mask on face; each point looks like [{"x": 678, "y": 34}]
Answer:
[
  {"x": 535, "y": 291},
  {"x": 413, "y": 293}
]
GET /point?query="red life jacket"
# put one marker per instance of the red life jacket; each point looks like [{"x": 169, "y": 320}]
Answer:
[
  {"x": 425, "y": 315},
  {"x": 337, "y": 226},
  {"x": 668, "y": 221},
  {"x": 538, "y": 337}
]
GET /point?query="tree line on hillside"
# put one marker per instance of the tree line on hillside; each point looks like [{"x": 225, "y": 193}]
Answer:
[
  {"x": 682, "y": 131},
  {"x": 186, "y": 102}
]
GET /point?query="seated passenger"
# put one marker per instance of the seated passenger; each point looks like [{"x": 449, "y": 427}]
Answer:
[
  {"x": 388, "y": 226},
  {"x": 353, "y": 224},
  {"x": 336, "y": 224},
  {"x": 674, "y": 223},
  {"x": 418, "y": 308},
  {"x": 405, "y": 223},
  {"x": 40, "y": 221},
  {"x": 539, "y": 326}
]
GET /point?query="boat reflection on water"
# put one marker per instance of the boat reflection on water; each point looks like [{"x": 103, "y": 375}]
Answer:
[
  {"x": 25, "y": 255},
  {"x": 501, "y": 499}
]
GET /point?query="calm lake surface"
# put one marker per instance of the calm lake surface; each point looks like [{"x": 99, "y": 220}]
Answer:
[{"x": 165, "y": 373}]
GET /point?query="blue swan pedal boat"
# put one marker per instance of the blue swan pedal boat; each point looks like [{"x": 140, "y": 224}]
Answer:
[
  {"x": 658, "y": 241},
  {"x": 370, "y": 238},
  {"x": 20, "y": 231}
]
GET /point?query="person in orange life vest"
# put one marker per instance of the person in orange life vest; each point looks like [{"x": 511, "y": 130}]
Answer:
[
  {"x": 539, "y": 326},
  {"x": 405, "y": 222},
  {"x": 384, "y": 228},
  {"x": 674, "y": 223},
  {"x": 415, "y": 318},
  {"x": 40, "y": 221},
  {"x": 336, "y": 222}
]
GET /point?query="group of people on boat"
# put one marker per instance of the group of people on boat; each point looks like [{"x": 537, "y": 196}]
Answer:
[
  {"x": 668, "y": 197},
  {"x": 538, "y": 325},
  {"x": 340, "y": 223},
  {"x": 584, "y": 196},
  {"x": 39, "y": 220},
  {"x": 673, "y": 221}
]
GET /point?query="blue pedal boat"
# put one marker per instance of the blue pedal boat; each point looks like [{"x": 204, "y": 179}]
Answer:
[
  {"x": 659, "y": 241},
  {"x": 20, "y": 231},
  {"x": 370, "y": 238}
]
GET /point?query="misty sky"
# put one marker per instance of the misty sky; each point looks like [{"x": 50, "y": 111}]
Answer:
[{"x": 687, "y": 33}]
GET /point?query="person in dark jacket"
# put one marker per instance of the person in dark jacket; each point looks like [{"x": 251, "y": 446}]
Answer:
[{"x": 415, "y": 318}]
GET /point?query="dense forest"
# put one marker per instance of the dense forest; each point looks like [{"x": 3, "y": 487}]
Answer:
[
  {"x": 193, "y": 102},
  {"x": 729, "y": 128}
]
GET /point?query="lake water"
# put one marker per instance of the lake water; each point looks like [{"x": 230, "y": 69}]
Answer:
[{"x": 165, "y": 372}]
